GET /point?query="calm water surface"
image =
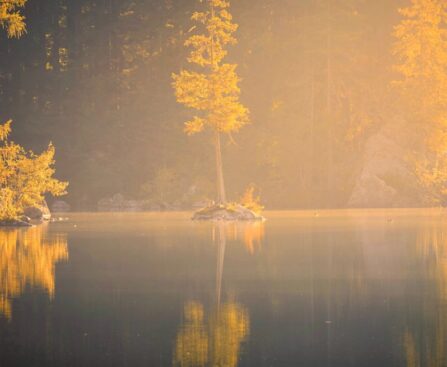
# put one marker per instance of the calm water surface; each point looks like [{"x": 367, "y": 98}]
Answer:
[{"x": 339, "y": 288}]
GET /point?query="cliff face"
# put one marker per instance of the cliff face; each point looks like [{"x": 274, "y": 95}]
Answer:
[{"x": 386, "y": 178}]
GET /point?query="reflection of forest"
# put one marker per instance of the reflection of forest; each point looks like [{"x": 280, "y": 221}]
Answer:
[
  {"x": 27, "y": 258},
  {"x": 214, "y": 338},
  {"x": 425, "y": 343}
]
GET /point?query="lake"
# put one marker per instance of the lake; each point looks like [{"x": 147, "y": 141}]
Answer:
[{"x": 327, "y": 288}]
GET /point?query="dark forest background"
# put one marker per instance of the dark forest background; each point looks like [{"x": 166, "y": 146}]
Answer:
[{"x": 94, "y": 77}]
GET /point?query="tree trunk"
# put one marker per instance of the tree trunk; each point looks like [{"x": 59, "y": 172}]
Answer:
[
  {"x": 221, "y": 244},
  {"x": 221, "y": 197},
  {"x": 330, "y": 138}
]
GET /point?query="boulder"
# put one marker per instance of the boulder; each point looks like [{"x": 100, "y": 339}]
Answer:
[
  {"x": 231, "y": 212},
  {"x": 38, "y": 212},
  {"x": 60, "y": 206},
  {"x": 25, "y": 219},
  {"x": 386, "y": 178}
]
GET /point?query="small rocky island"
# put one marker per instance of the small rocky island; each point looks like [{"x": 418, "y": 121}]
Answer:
[{"x": 227, "y": 212}]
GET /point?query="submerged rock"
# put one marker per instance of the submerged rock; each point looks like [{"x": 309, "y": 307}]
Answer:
[
  {"x": 38, "y": 212},
  {"x": 231, "y": 212}
]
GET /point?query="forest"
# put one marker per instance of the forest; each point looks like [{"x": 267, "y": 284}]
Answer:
[{"x": 346, "y": 101}]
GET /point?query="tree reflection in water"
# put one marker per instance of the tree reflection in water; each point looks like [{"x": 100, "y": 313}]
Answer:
[
  {"x": 425, "y": 343},
  {"x": 214, "y": 338},
  {"x": 28, "y": 258}
]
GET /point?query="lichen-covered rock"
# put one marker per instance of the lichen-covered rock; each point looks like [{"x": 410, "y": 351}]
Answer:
[
  {"x": 231, "y": 212},
  {"x": 39, "y": 212}
]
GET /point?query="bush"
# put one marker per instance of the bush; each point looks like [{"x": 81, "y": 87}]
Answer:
[{"x": 251, "y": 201}]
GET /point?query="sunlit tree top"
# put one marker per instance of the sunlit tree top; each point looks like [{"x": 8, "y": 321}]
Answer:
[
  {"x": 10, "y": 17},
  {"x": 214, "y": 92}
]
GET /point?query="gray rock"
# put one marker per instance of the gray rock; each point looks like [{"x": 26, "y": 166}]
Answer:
[
  {"x": 386, "y": 179},
  {"x": 26, "y": 219},
  {"x": 227, "y": 213},
  {"x": 39, "y": 212}
]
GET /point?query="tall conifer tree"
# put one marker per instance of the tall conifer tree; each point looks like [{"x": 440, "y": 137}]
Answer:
[{"x": 213, "y": 92}]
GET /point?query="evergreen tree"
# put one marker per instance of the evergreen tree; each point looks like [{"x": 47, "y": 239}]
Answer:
[
  {"x": 24, "y": 176},
  {"x": 11, "y": 18},
  {"x": 214, "y": 92}
]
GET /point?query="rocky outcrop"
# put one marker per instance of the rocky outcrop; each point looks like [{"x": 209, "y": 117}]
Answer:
[
  {"x": 386, "y": 180},
  {"x": 230, "y": 212},
  {"x": 38, "y": 212}
]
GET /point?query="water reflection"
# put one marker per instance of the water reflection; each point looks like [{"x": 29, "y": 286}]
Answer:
[
  {"x": 214, "y": 337},
  {"x": 314, "y": 291},
  {"x": 28, "y": 258},
  {"x": 250, "y": 234},
  {"x": 424, "y": 339}
]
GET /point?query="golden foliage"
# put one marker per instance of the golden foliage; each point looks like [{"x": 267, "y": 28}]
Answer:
[
  {"x": 214, "y": 93},
  {"x": 191, "y": 347},
  {"x": 250, "y": 201},
  {"x": 27, "y": 258},
  {"x": 215, "y": 341},
  {"x": 253, "y": 235},
  {"x": 5, "y": 129},
  {"x": 229, "y": 327},
  {"x": 24, "y": 177},
  {"x": 411, "y": 353},
  {"x": 10, "y": 17},
  {"x": 421, "y": 51},
  {"x": 432, "y": 175},
  {"x": 250, "y": 233},
  {"x": 425, "y": 345}
]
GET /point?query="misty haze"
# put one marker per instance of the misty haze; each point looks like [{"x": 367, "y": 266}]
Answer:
[{"x": 223, "y": 183}]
